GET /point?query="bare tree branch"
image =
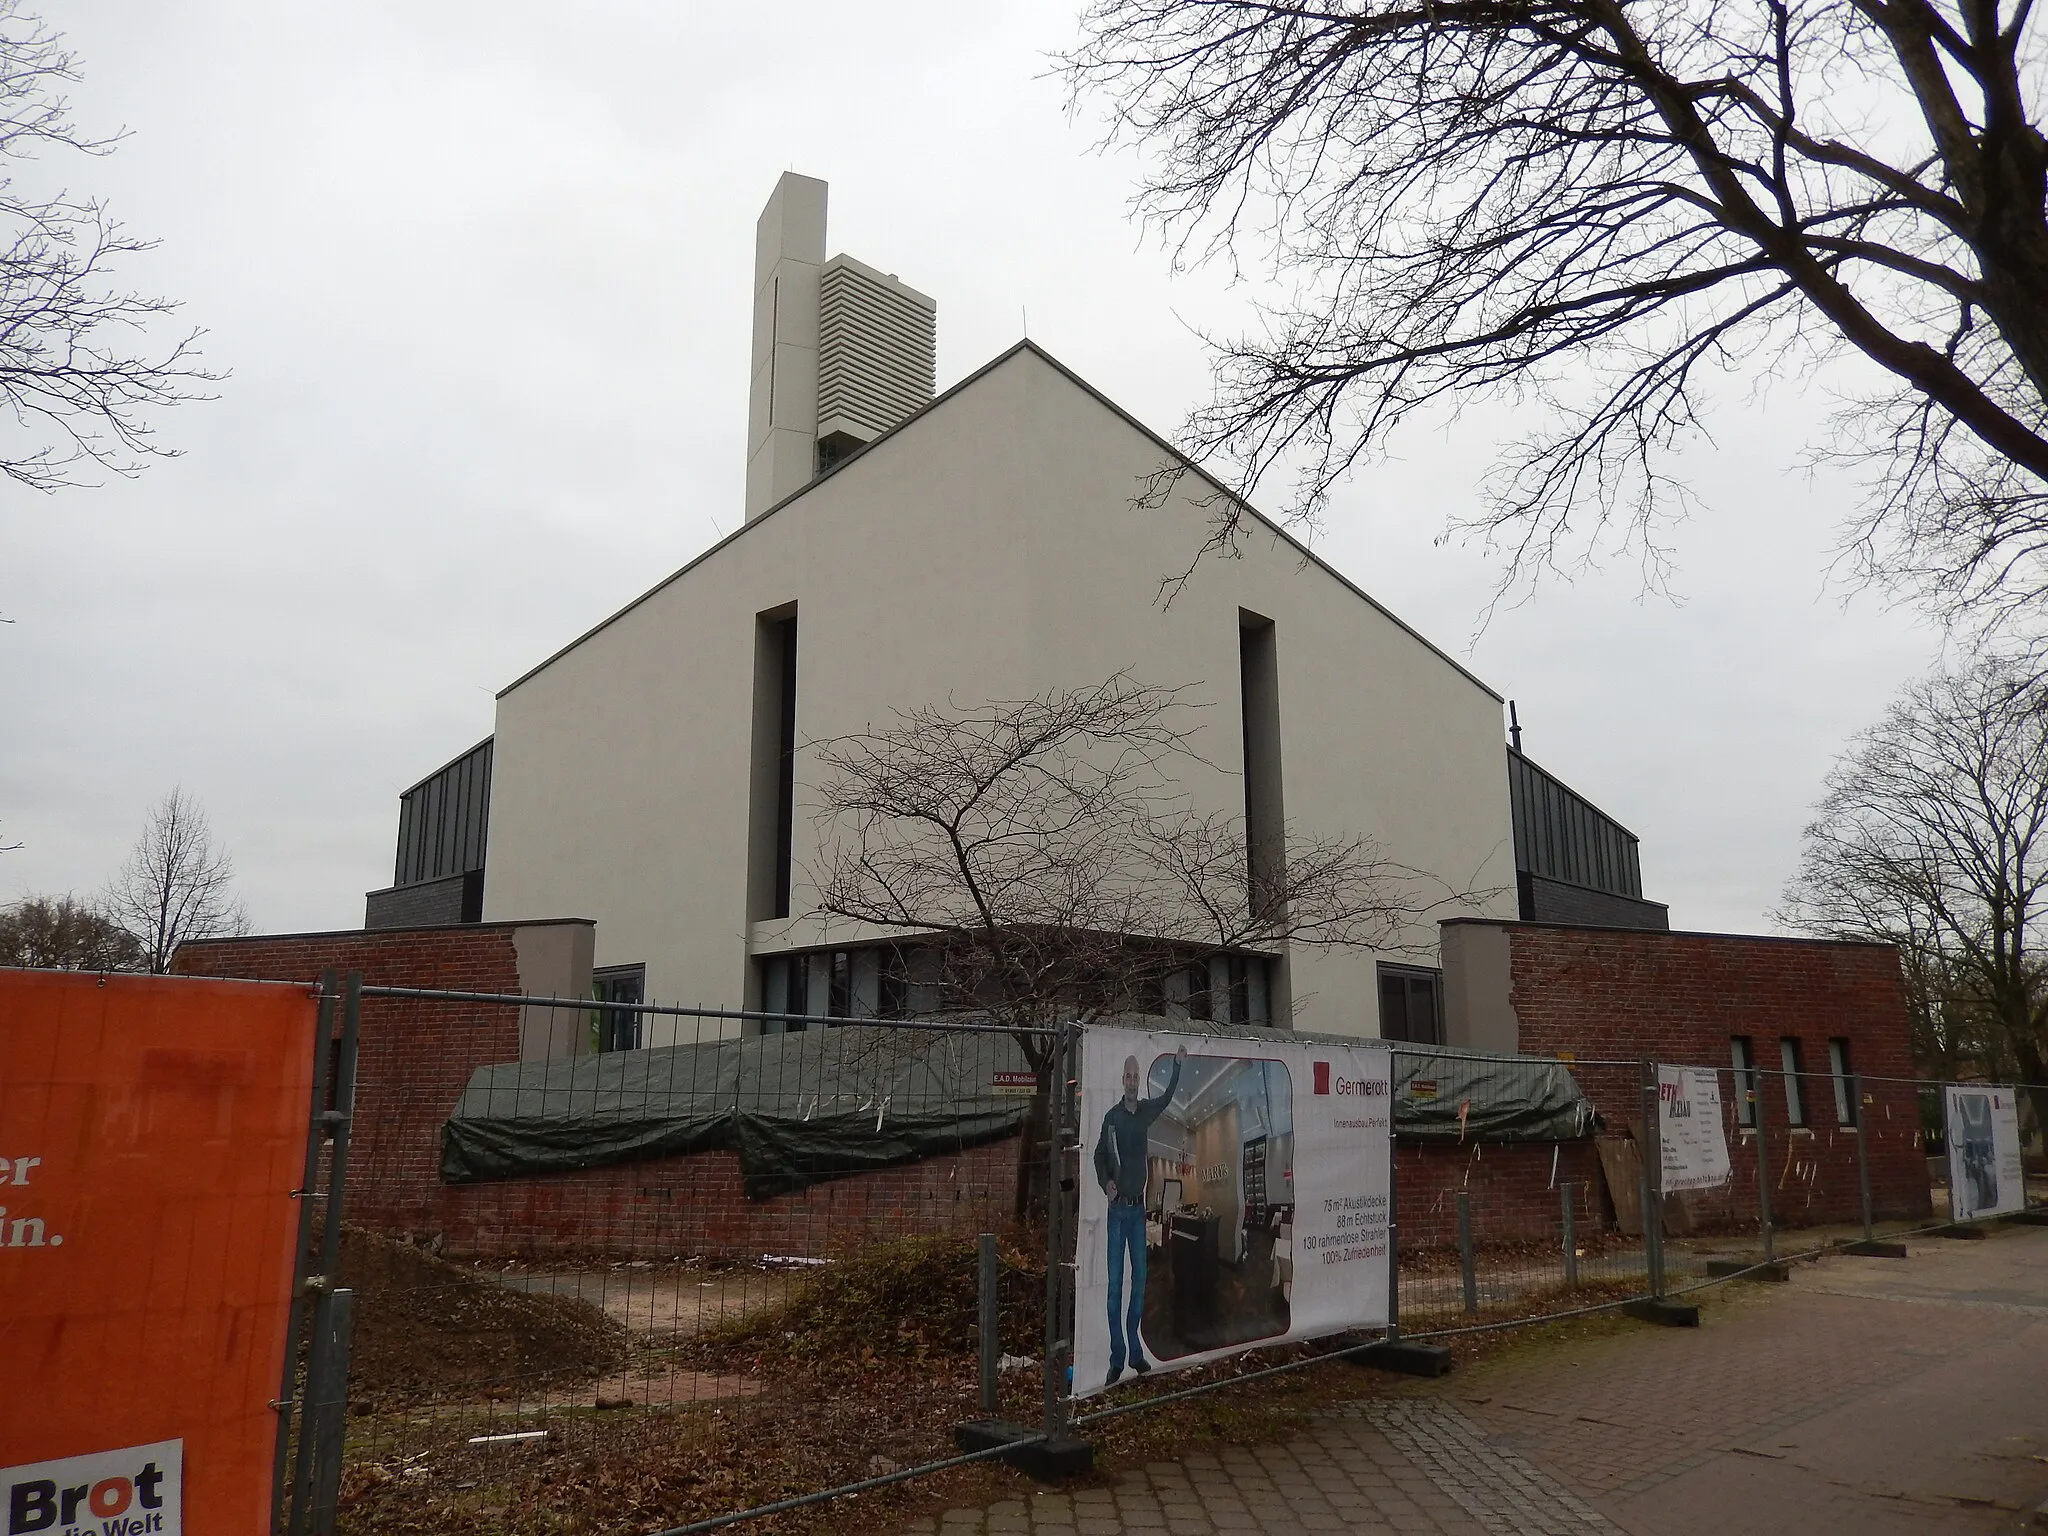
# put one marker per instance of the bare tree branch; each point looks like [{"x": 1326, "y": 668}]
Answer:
[
  {"x": 78, "y": 386},
  {"x": 1589, "y": 209}
]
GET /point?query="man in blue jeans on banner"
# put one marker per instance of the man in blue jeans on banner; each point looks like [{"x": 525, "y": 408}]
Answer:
[{"x": 1120, "y": 1165}]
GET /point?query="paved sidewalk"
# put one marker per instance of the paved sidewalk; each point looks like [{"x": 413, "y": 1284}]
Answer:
[{"x": 1868, "y": 1395}]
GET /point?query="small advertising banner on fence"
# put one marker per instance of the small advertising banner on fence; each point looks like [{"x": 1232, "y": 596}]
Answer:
[
  {"x": 131, "y": 1492},
  {"x": 1985, "y": 1176},
  {"x": 1233, "y": 1194},
  {"x": 1689, "y": 1119},
  {"x": 152, "y": 1130}
]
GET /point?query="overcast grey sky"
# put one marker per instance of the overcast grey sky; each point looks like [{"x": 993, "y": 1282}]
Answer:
[{"x": 480, "y": 272}]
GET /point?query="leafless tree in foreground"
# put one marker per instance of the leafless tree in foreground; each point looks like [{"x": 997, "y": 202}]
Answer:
[
  {"x": 1595, "y": 209},
  {"x": 1933, "y": 835},
  {"x": 73, "y": 372},
  {"x": 176, "y": 885},
  {"x": 1046, "y": 856}
]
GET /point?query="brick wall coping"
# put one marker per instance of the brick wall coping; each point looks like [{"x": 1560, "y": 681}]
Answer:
[
  {"x": 1662, "y": 933},
  {"x": 388, "y": 933}
]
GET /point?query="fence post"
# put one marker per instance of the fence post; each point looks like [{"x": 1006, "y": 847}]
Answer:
[
  {"x": 1763, "y": 1176},
  {"x": 334, "y": 1124},
  {"x": 1571, "y": 1239},
  {"x": 1466, "y": 1271},
  {"x": 1652, "y": 1158},
  {"x": 991, "y": 1325},
  {"x": 316, "y": 1133},
  {"x": 316, "y": 1484},
  {"x": 338, "y": 1121},
  {"x": 327, "y": 1402},
  {"x": 1393, "y": 1353},
  {"x": 1654, "y": 1308},
  {"x": 1868, "y": 1247},
  {"x": 1862, "y": 1158},
  {"x": 1393, "y": 1234},
  {"x": 1054, "y": 1406}
]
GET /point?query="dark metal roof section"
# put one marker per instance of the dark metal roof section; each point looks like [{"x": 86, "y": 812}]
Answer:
[
  {"x": 444, "y": 820},
  {"x": 1573, "y": 862},
  {"x": 1561, "y": 835}
]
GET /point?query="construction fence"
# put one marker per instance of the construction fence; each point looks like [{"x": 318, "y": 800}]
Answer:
[{"x": 749, "y": 1262}]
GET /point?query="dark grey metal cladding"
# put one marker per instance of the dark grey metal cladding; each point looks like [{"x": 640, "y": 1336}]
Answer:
[
  {"x": 428, "y": 904},
  {"x": 1562, "y": 836},
  {"x": 1555, "y": 901},
  {"x": 444, "y": 820}
]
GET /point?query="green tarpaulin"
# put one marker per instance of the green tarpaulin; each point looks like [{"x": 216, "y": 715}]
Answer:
[{"x": 802, "y": 1108}]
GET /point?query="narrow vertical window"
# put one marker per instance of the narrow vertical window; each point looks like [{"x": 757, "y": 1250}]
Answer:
[
  {"x": 1265, "y": 816},
  {"x": 892, "y": 984},
  {"x": 841, "y": 1004},
  {"x": 1795, "y": 1098},
  {"x": 1258, "y": 995},
  {"x": 771, "y": 810},
  {"x": 1839, "y": 1070},
  {"x": 785, "y": 769},
  {"x": 1743, "y": 1055}
]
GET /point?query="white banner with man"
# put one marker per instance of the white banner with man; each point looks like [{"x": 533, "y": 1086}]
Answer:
[
  {"x": 1985, "y": 1174},
  {"x": 1233, "y": 1194}
]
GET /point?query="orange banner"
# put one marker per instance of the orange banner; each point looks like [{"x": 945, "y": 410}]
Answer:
[{"x": 152, "y": 1130}]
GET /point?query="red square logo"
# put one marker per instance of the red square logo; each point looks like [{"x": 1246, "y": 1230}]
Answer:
[{"x": 1322, "y": 1077}]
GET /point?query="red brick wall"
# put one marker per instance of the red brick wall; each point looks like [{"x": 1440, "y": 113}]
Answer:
[
  {"x": 412, "y": 1058},
  {"x": 694, "y": 1204},
  {"x": 1622, "y": 995},
  {"x": 1599, "y": 994},
  {"x": 1514, "y": 1191}
]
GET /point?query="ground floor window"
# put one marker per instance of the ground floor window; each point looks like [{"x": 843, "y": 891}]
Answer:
[
  {"x": 1222, "y": 989},
  {"x": 899, "y": 981},
  {"x": 877, "y": 981},
  {"x": 618, "y": 1029},
  {"x": 1411, "y": 1004}
]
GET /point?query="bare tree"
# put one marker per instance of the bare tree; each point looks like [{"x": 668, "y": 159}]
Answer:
[
  {"x": 62, "y": 933},
  {"x": 177, "y": 884},
  {"x": 1933, "y": 835},
  {"x": 1589, "y": 210},
  {"x": 73, "y": 370},
  {"x": 1046, "y": 855}
]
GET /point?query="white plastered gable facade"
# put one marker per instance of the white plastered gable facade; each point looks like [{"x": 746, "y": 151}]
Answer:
[{"x": 987, "y": 548}]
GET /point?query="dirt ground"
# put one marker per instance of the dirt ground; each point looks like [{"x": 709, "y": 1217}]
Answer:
[{"x": 430, "y": 1331}]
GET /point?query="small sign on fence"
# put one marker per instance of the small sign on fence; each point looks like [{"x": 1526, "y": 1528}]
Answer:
[
  {"x": 1233, "y": 1194},
  {"x": 1985, "y": 1175},
  {"x": 1020, "y": 1085},
  {"x": 1695, "y": 1142},
  {"x": 129, "y": 1492}
]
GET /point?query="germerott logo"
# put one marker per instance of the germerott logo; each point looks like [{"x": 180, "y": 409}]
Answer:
[{"x": 114, "y": 1493}]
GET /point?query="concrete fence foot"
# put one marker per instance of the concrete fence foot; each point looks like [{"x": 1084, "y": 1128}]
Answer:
[
  {"x": 1667, "y": 1314},
  {"x": 1744, "y": 1269},
  {"x": 1045, "y": 1461},
  {"x": 1403, "y": 1357}
]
